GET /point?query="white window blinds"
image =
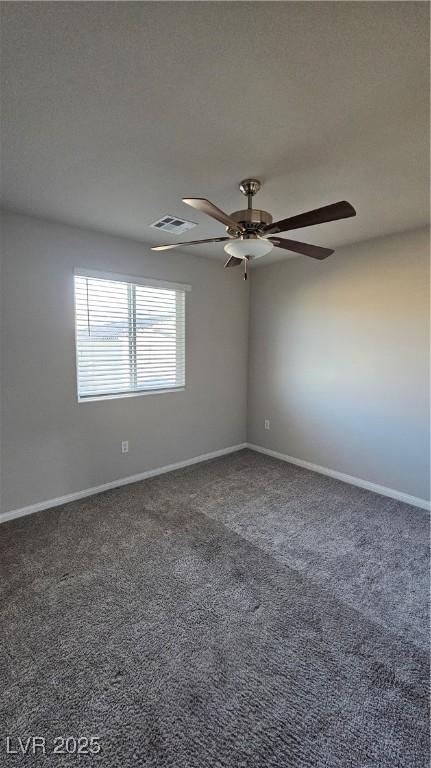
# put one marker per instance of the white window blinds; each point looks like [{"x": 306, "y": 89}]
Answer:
[{"x": 129, "y": 335}]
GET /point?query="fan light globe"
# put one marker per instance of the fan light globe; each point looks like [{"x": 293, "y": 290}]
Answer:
[{"x": 253, "y": 247}]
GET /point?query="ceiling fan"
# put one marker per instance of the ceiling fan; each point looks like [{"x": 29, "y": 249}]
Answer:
[{"x": 248, "y": 230}]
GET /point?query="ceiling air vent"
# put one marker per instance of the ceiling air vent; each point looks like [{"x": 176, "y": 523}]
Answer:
[{"x": 173, "y": 224}]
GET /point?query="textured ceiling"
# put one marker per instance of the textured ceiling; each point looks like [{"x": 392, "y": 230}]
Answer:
[{"x": 114, "y": 111}]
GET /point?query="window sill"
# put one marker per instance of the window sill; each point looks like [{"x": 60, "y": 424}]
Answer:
[{"x": 122, "y": 395}]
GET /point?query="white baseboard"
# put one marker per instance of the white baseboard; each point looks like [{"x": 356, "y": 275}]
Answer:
[
  {"x": 14, "y": 513},
  {"x": 415, "y": 501},
  {"x": 381, "y": 489}
]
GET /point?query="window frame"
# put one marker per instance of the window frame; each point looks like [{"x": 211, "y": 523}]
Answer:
[{"x": 134, "y": 280}]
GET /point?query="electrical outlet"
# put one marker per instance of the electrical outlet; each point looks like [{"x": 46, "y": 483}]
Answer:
[
  {"x": 267, "y": 424},
  {"x": 125, "y": 446}
]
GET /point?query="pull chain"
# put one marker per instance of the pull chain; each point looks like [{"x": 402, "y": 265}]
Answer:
[{"x": 245, "y": 268}]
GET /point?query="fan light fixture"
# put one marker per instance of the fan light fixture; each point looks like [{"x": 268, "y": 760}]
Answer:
[
  {"x": 247, "y": 231},
  {"x": 254, "y": 247}
]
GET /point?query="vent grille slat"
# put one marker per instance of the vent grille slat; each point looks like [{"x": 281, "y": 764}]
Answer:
[{"x": 173, "y": 224}]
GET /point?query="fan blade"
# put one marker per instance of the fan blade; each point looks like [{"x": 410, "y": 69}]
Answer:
[
  {"x": 203, "y": 205},
  {"x": 341, "y": 210},
  {"x": 232, "y": 262},
  {"x": 191, "y": 242},
  {"x": 315, "y": 251}
]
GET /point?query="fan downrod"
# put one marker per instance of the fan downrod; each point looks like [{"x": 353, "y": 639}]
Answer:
[{"x": 251, "y": 219}]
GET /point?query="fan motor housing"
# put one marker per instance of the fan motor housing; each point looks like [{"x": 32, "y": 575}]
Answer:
[{"x": 252, "y": 219}]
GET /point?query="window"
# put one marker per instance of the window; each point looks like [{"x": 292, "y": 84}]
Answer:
[{"x": 129, "y": 335}]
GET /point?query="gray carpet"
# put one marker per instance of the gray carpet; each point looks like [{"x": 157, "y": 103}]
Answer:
[{"x": 241, "y": 613}]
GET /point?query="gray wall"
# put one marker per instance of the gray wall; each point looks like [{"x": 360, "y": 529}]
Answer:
[
  {"x": 339, "y": 361},
  {"x": 51, "y": 444}
]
